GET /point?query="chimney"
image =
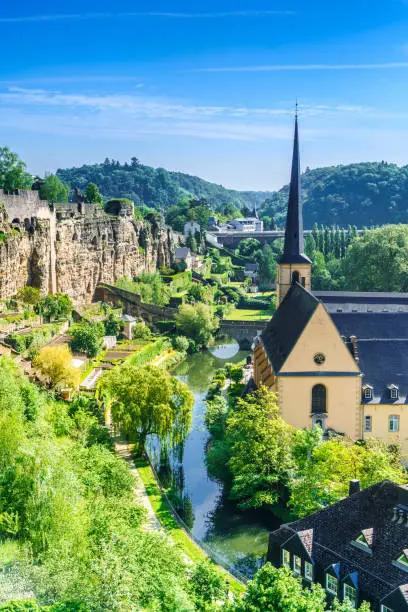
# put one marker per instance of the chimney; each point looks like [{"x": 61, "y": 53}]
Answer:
[{"x": 354, "y": 487}]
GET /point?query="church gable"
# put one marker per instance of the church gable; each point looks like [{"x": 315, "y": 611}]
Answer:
[{"x": 320, "y": 348}]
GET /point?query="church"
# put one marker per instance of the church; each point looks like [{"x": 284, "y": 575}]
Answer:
[{"x": 336, "y": 359}]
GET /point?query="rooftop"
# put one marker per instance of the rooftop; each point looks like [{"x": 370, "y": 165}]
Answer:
[
  {"x": 377, "y": 511},
  {"x": 284, "y": 329}
]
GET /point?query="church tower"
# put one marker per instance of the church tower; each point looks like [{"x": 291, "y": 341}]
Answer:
[{"x": 294, "y": 265}]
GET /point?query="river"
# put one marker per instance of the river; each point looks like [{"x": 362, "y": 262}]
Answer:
[{"x": 237, "y": 539}]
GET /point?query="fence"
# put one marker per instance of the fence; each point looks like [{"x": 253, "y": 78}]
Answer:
[{"x": 205, "y": 547}]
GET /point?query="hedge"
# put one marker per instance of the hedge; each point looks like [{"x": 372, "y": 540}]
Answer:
[
  {"x": 34, "y": 339},
  {"x": 254, "y": 304},
  {"x": 165, "y": 327},
  {"x": 148, "y": 352}
]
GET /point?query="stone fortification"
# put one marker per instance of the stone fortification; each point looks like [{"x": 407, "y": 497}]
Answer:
[{"x": 73, "y": 247}]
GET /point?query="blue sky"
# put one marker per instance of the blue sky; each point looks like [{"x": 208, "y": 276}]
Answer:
[{"x": 206, "y": 88}]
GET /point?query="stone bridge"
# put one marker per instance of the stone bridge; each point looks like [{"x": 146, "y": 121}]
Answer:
[
  {"x": 232, "y": 238},
  {"x": 243, "y": 332}
]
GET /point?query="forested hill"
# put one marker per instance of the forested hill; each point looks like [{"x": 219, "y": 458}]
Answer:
[
  {"x": 156, "y": 188},
  {"x": 362, "y": 194}
]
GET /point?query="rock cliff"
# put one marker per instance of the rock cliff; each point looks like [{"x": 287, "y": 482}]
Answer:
[
  {"x": 76, "y": 252},
  {"x": 89, "y": 251}
]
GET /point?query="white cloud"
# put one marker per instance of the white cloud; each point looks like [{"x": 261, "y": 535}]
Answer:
[
  {"x": 293, "y": 67},
  {"x": 151, "y": 107},
  {"x": 126, "y": 116},
  {"x": 162, "y": 14}
]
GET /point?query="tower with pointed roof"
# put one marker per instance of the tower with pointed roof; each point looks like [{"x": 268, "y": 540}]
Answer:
[{"x": 294, "y": 265}]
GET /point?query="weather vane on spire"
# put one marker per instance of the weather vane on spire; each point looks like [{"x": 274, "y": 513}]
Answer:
[{"x": 296, "y": 108}]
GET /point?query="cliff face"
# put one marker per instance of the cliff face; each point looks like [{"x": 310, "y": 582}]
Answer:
[
  {"x": 104, "y": 250},
  {"x": 87, "y": 251},
  {"x": 25, "y": 259}
]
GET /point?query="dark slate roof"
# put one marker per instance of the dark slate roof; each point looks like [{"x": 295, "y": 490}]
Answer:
[
  {"x": 251, "y": 267},
  {"x": 284, "y": 329},
  {"x": 372, "y": 325},
  {"x": 351, "y": 301},
  {"x": 382, "y": 351},
  {"x": 334, "y": 528},
  {"x": 181, "y": 252},
  {"x": 293, "y": 250},
  {"x": 383, "y": 363}
]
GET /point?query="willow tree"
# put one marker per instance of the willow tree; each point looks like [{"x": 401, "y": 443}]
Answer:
[{"x": 148, "y": 400}]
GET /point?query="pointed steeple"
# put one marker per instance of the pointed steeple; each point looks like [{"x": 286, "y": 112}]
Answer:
[{"x": 293, "y": 251}]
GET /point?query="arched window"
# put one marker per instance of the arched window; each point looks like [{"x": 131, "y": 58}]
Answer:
[
  {"x": 295, "y": 277},
  {"x": 319, "y": 399}
]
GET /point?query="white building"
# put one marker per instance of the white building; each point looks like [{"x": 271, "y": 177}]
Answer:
[
  {"x": 249, "y": 224},
  {"x": 191, "y": 228}
]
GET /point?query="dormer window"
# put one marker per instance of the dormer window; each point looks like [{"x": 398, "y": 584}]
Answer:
[
  {"x": 393, "y": 392},
  {"x": 368, "y": 392},
  {"x": 364, "y": 540},
  {"x": 402, "y": 561}
]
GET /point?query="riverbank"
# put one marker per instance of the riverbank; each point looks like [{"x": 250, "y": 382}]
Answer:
[{"x": 166, "y": 519}]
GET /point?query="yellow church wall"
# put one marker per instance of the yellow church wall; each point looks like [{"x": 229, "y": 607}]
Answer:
[
  {"x": 284, "y": 278},
  {"x": 380, "y": 414},
  {"x": 344, "y": 410},
  {"x": 320, "y": 336}
]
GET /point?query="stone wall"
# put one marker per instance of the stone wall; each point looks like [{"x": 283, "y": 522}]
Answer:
[{"x": 25, "y": 204}]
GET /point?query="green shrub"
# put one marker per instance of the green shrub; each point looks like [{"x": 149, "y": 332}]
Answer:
[
  {"x": 181, "y": 343},
  {"x": 142, "y": 331}
]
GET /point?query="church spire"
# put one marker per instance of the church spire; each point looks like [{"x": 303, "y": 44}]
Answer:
[{"x": 293, "y": 251}]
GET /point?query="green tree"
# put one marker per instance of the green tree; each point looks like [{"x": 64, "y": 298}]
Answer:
[
  {"x": 113, "y": 326},
  {"x": 324, "y": 470},
  {"x": 207, "y": 585},
  {"x": 267, "y": 265},
  {"x": 87, "y": 338},
  {"x": 248, "y": 247},
  {"x": 29, "y": 295},
  {"x": 378, "y": 260},
  {"x": 148, "y": 400},
  {"x": 92, "y": 194},
  {"x": 260, "y": 443},
  {"x": 196, "y": 321},
  {"x": 54, "y": 190},
  {"x": 13, "y": 173},
  {"x": 277, "y": 590},
  {"x": 55, "y": 363},
  {"x": 321, "y": 279},
  {"x": 55, "y": 306}
]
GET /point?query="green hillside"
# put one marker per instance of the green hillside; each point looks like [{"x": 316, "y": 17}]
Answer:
[
  {"x": 361, "y": 194},
  {"x": 156, "y": 188}
]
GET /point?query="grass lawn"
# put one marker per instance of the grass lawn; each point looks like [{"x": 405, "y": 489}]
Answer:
[
  {"x": 165, "y": 517},
  {"x": 241, "y": 314}
]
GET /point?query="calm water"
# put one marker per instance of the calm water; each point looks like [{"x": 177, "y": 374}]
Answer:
[{"x": 240, "y": 539}]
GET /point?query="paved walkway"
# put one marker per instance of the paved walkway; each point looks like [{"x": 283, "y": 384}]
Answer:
[{"x": 124, "y": 451}]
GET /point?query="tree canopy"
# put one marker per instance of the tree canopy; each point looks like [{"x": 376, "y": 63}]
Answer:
[
  {"x": 13, "y": 173},
  {"x": 362, "y": 194},
  {"x": 196, "y": 321},
  {"x": 148, "y": 400},
  {"x": 155, "y": 187},
  {"x": 54, "y": 190}
]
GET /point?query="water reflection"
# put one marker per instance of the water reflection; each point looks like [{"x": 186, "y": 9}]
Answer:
[{"x": 239, "y": 538}]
